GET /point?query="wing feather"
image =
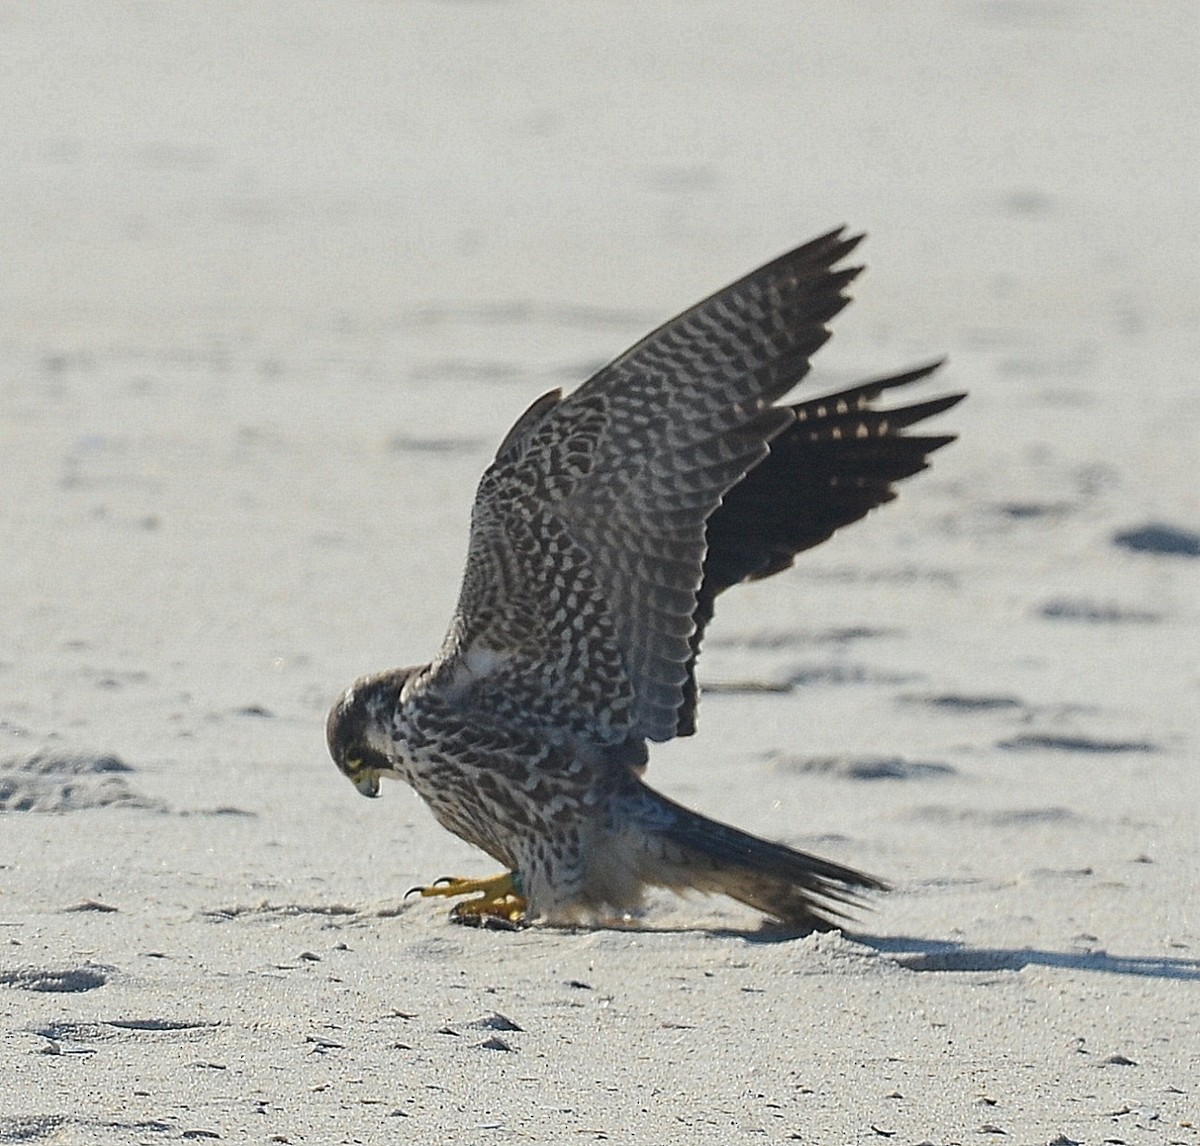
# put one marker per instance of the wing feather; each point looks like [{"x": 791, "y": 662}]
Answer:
[
  {"x": 839, "y": 459},
  {"x": 588, "y": 535}
]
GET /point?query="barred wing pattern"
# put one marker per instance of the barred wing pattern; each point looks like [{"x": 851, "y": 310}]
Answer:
[
  {"x": 839, "y": 459},
  {"x": 599, "y": 538}
]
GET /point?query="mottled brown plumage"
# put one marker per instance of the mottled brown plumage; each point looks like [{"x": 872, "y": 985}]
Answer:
[{"x": 602, "y": 533}]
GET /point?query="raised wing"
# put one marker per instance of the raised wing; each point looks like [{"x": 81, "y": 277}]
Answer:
[
  {"x": 578, "y": 608},
  {"x": 837, "y": 461}
]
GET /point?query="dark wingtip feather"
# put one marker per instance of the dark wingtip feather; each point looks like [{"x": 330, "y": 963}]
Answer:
[{"x": 840, "y": 458}]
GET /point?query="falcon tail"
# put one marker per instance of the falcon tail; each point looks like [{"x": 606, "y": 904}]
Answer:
[{"x": 790, "y": 886}]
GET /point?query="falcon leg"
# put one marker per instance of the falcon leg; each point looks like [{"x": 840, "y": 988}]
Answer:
[{"x": 499, "y": 899}]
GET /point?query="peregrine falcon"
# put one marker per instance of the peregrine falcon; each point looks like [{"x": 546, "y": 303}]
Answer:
[{"x": 601, "y": 536}]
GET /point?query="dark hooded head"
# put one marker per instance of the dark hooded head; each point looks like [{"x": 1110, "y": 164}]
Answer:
[{"x": 361, "y": 719}]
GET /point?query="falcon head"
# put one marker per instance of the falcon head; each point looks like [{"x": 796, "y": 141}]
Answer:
[{"x": 363, "y": 713}]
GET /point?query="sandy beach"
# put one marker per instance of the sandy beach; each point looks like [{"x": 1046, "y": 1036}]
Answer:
[{"x": 276, "y": 279}]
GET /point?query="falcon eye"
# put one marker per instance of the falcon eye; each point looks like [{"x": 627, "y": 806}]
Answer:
[{"x": 362, "y": 758}]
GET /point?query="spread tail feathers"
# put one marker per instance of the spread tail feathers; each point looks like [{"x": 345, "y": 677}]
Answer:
[{"x": 788, "y": 885}]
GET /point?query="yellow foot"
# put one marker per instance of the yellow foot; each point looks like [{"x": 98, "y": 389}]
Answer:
[{"x": 499, "y": 902}]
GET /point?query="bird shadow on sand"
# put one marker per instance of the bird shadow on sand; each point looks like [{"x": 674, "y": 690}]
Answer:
[
  {"x": 908, "y": 951},
  {"x": 949, "y": 955}
]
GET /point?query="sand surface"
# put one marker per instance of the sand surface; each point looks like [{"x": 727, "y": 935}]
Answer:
[{"x": 274, "y": 280}]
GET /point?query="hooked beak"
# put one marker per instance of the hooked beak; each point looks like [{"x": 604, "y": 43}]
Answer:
[{"x": 366, "y": 780}]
